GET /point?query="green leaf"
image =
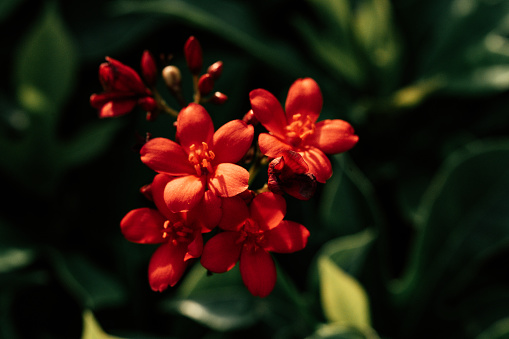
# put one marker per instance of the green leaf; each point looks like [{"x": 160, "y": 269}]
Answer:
[
  {"x": 92, "y": 329},
  {"x": 344, "y": 300},
  {"x": 499, "y": 330},
  {"x": 348, "y": 201},
  {"x": 219, "y": 301},
  {"x": 46, "y": 65},
  {"x": 468, "y": 46},
  {"x": 338, "y": 331},
  {"x": 462, "y": 222},
  {"x": 92, "y": 287},
  {"x": 376, "y": 33}
]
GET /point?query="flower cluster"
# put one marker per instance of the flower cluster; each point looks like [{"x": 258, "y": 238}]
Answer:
[{"x": 203, "y": 176}]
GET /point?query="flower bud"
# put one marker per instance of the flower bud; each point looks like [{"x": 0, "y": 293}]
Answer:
[
  {"x": 250, "y": 118},
  {"x": 147, "y": 103},
  {"x": 218, "y": 98},
  {"x": 194, "y": 55},
  {"x": 149, "y": 68},
  {"x": 146, "y": 190},
  {"x": 205, "y": 84},
  {"x": 289, "y": 174},
  {"x": 215, "y": 69},
  {"x": 171, "y": 76}
]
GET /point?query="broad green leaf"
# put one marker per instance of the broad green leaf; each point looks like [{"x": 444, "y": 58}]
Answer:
[
  {"x": 92, "y": 286},
  {"x": 229, "y": 20},
  {"x": 348, "y": 252},
  {"x": 348, "y": 201},
  {"x": 219, "y": 301},
  {"x": 45, "y": 65},
  {"x": 13, "y": 258},
  {"x": 338, "y": 331},
  {"x": 92, "y": 329},
  {"x": 343, "y": 299},
  {"x": 376, "y": 33},
  {"x": 463, "y": 49},
  {"x": 499, "y": 330},
  {"x": 462, "y": 222}
]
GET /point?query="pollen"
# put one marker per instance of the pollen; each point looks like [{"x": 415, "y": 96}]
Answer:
[
  {"x": 300, "y": 128},
  {"x": 200, "y": 157},
  {"x": 176, "y": 232}
]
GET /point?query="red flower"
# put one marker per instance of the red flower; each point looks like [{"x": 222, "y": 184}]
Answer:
[
  {"x": 251, "y": 232},
  {"x": 178, "y": 233},
  {"x": 123, "y": 90},
  {"x": 289, "y": 173},
  {"x": 297, "y": 129},
  {"x": 203, "y": 159}
]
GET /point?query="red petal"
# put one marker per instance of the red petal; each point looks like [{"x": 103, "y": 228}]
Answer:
[
  {"x": 221, "y": 252},
  {"x": 143, "y": 226},
  {"x": 116, "y": 108},
  {"x": 258, "y": 271},
  {"x": 166, "y": 156},
  {"x": 231, "y": 141},
  {"x": 208, "y": 212},
  {"x": 268, "y": 210},
  {"x": 318, "y": 163},
  {"x": 272, "y": 146},
  {"x": 183, "y": 193},
  {"x": 228, "y": 180},
  {"x": 268, "y": 111},
  {"x": 194, "y": 126},
  {"x": 166, "y": 266},
  {"x": 157, "y": 187},
  {"x": 120, "y": 77},
  {"x": 333, "y": 136},
  {"x": 235, "y": 213},
  {"x": 288, "y": 237},
  {"x": 304, "y": 97},
  {"x": 195, "y": 248}
]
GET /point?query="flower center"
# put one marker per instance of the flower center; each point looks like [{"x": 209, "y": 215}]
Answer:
[
  {"x": 200, "y": 157},
  {"x": 176, "y": 232},
  {"x": 251, "y": 235},
  {"x": 300, "y": 128}
]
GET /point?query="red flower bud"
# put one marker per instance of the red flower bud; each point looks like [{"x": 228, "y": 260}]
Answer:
[
  {"x": 115, "y": 76},
  {"x": 149, "y": 68},
  {"x": 147, "y": 103},
  {"x": 289, "y": 173},
  {"x": 250, "y": 118},
  {"x": 146, "y": 190},
  {"x": 215, "y": 69},
  {"x": 218, "y": 98},
  {"x": 194, "y": 55},
  {"x": 205, "y": 84}
]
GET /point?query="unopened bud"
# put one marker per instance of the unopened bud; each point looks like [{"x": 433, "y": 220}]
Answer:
[
  {"x": 147, "y": 103},
  {"x": 218, "y": 98},
  {"x": 146, "y": 190},
  {"x": 205, "y": 84},
  {"x": 171, "y": 76},
  {"x": 215, "y": 69},
  {"x": 194, "y": 55},
  {"x": 149, "y": 68},
  {"x": 250, "y": 119}
]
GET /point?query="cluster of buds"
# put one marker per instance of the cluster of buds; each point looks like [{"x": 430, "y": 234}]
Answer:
[
  {"x": 204, "y": 176},
  {"x": 124, "y": 89}
]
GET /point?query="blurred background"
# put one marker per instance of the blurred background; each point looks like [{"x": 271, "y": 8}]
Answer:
[{"x": 409, "y": 238}]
